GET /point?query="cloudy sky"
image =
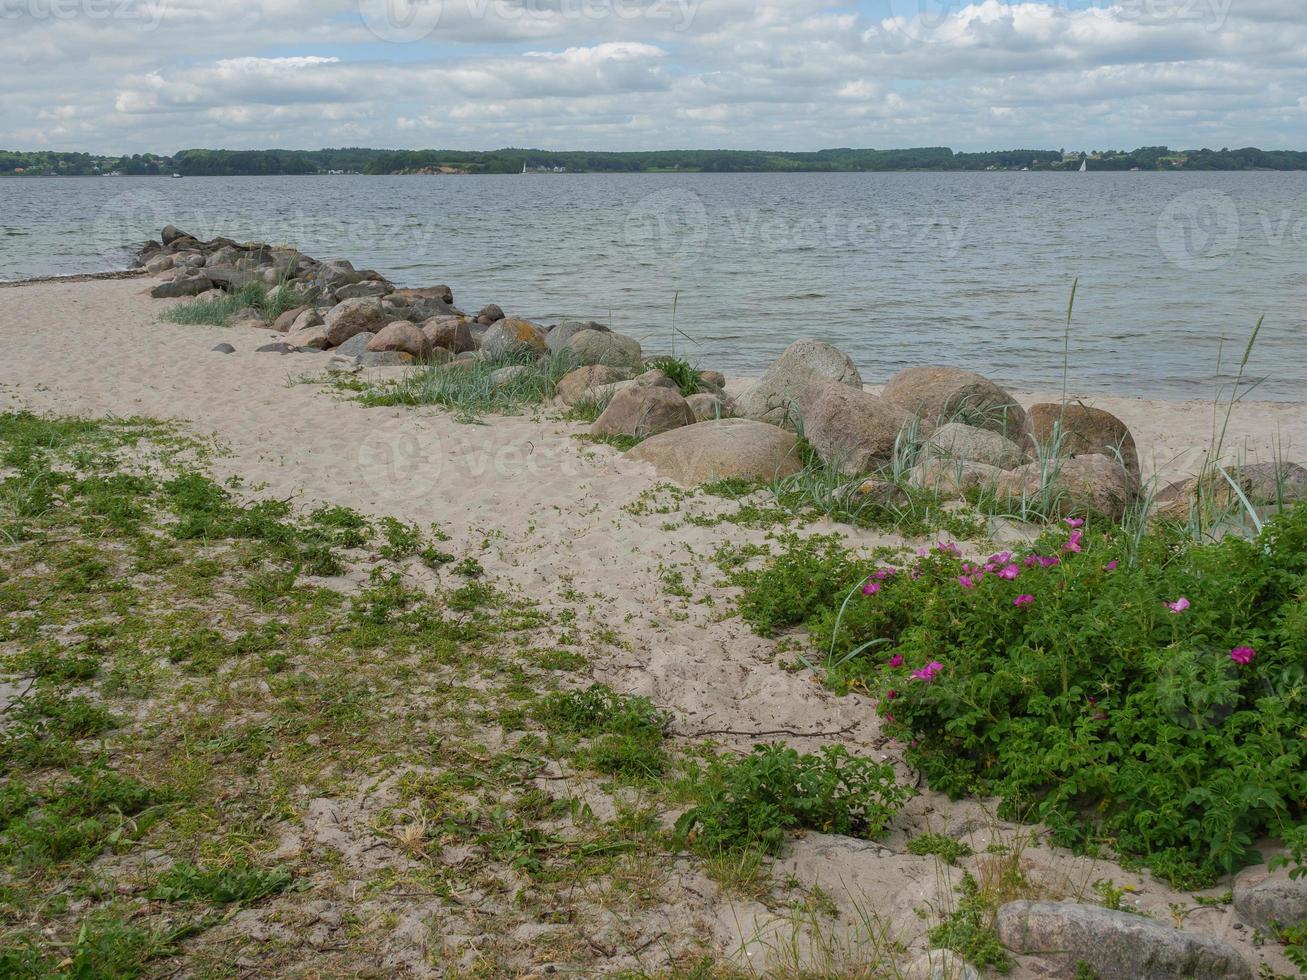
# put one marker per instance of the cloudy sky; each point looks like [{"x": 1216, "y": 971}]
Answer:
[{"x": 133, "y": 75}]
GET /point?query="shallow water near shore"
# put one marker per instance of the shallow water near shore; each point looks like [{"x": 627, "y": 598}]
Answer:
[{"x": 726, "y": 269}]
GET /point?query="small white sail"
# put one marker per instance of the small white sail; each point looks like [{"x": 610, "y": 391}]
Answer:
[{"x": 1084, "y": 164}]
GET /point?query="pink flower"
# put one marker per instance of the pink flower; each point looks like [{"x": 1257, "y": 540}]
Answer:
[
  {"x": 1073, "y": 542},
  {"x": 1075, "y": 522},
  {"x": 871, "y": 588},
  {"x": 890, "y": 719},
  {"x": 928, "y": 672},
  {"x": 966, "y": 582},
  {"x": 896, "y": 660},
  {"x": 1179, "y": 606},
  {"x": 885, "y": 573},
  {"x": 891, "y": 695},
  {"x": 1002, "y": 558},
  {"x": 1243, "y": 655},
  {"x": 1010, "y": 572},
  {"x": 1022, "y": 601},
  {"x": 1050, "y": 561},
  {"x": 1111, "y": 566},
  {"x": 948, "y": 547},
  {"x": 1031, "y": 561}
]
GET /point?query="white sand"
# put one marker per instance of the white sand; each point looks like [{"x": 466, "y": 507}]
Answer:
[{"x": 551, "y": 512}]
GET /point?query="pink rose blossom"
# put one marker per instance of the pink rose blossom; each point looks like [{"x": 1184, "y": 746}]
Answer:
[
  {"x": 871, "y": 588},
  {"x": 966, "y": 582},
  {"x": 928, "y": 672},
  {"x": 1010, "y": 572},
  {"x": 1050, "y": 561},
  {"x": 1031, "y": 561},
  {"x": 891, "y": 695},
  {"x": 1179, "y": 606},
  {"x": 896, "y": 660},
  {"x": 1243, "y": 655},
  {"x": 1022, "y": 601},
  {"x": 1073, "y": 542},
  {"x": 1075, "y": 522},
  {"x": 1111, "y": 566}
]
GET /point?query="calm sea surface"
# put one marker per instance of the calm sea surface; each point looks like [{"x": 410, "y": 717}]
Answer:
[{"x": 897, "y": 269}]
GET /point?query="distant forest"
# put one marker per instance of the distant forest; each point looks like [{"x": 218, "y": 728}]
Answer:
[{"x": 200, "y": 163}]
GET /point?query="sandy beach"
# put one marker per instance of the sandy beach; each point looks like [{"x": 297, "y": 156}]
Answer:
[{"x": 552, "y": 518}]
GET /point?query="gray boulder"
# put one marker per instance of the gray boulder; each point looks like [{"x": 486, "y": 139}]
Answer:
[
  {"x": 940, "y": 964},
  {"x": 506, "y": 374},
  {"x": 774, "y": 397},
  {"x": 973, "y": 445},
  {"x": 280, "y": 347},
  {"x": 850, "y": 429},
  {"x": 353, "y": 316},
  {"x": 513, "y": 338},
  {"x": 1265, "y": 899},
  {"x": 954, "y": 477},
  {"x": 356, "y": 345},
  {"x": 362, "y": 290},
  {"x": 656, "y": 378},
  {"x": 182, "y": 286},
  {"x": 721, "y": 449},
  {"x": 1116, "y": 944},
  {"x": 602, "y": 347},
  {"x": 385, "y": 358},
  {"x": 224, "y": 349},
  {"x": 559, "y": 336}
]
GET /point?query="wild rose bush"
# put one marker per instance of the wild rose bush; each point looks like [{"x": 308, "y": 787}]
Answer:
[{"x": 1159, "y": 707}]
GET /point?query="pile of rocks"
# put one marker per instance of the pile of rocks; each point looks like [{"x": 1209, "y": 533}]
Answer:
[
  {"x": 955, "y": 429},
  {"x": 362, "y": 317}
]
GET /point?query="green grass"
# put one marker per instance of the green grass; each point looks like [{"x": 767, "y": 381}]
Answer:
[
  {"x": 468, "y": 389},
  {"x": 679, "y": 370},
  {"x": 271, "y": 302}
]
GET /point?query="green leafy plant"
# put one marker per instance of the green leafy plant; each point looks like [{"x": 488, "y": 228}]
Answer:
[
  {"x": 942, "y": 846},
  {"x": 1155, "y": 707},
  {"x": 751, "y": 802},
  {"x": 969, "y": 930}
]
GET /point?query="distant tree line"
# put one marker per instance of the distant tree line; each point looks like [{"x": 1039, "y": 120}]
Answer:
[{"x": 230, "y": 163}]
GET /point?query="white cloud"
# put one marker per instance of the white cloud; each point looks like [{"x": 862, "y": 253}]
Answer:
[{"x": 645, "y": 73}]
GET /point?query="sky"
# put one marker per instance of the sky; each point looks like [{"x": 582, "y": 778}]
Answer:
[{"x": 126, "y": 76}]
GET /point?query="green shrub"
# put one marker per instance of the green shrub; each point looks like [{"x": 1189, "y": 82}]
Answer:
[
  {"x": 791, "y": 591},
  {"x": 750, "y": 802},
  {"x": 968, "y": 930},
  {"x": 241, "y": 882},
  {"x": 270, "y": 303},
  {"x": 679, "y": 370},
  {"x": 942, "y": 846},
  {"x": 1158, "y": 707}
]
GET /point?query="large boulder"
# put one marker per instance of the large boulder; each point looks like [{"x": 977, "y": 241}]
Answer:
[
  {"x": 707, "y": 406},
  {"x": 722, "y": 449},
  {"x": 973, "y": 445},
  {"x": 567, "y": 329},
  {"x": 353, "y": 316},
  {"x": 1264, "y": 484},
  {"x": 1079, "y": 430},
  {"x": 401, "y": 336},
  {"x": 580, "y": 385},
  {"x": 450, "y": 333},
  {"x": 513, "y": 338},
  {"x": 490, "y": 313},
  {"x": 182, "y": 286},
  {"x": 603, "y": 347},
  {"x": 939, "y": 395},
  {"x": 850, "y": 429},
  {"x": 286, "y": 320},
  {"x": 1115, "y": 944},
  {"x": 774, "y": 397},
  {"x": 441, "y": 293},
  {"x": 361, "y": 290},
  {"x": 1266, "y": 899},
  {"x": 954, "y": 477},
  {"x": 356, "y": 345},
  {"x": 1093, "y": 484},
  {"x": 641, "y": 412}
]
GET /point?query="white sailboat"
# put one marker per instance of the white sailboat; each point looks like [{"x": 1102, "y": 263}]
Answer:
[
  {"x": 1084, "y": 164},
  {"x": 523, "y": 166}
]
